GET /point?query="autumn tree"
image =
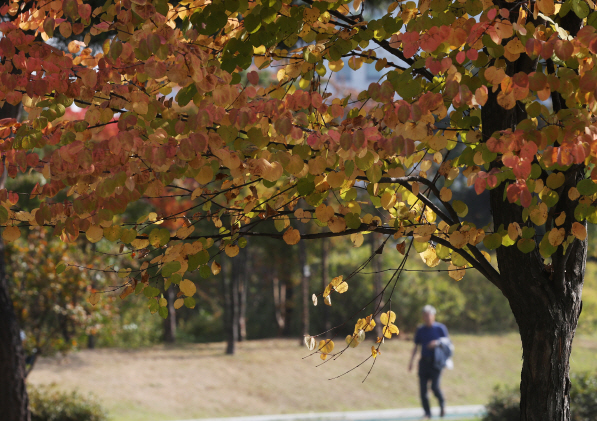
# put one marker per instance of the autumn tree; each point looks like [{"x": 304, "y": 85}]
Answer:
[{"x": 494, "y": 95}]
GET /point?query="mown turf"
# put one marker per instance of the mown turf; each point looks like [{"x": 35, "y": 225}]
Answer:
[{"x": 271, "y": 376}]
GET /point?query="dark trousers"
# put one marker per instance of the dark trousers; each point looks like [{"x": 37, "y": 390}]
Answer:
[{"x": 427, "y": 373}]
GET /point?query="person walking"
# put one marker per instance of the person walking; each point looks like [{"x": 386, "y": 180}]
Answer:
[{"x": 436, "y": 348}]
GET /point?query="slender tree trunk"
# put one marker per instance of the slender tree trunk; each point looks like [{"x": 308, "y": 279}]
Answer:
[
  {"x": 325, "y": 269},
  {"x": 170, "y": 321},
  {"x": 545, "y": 298},
  {"x": 14, "y": 401},
  {"x": 304, "y": 270},
  {"x": 376, "y": 266},
  {"x": 231, "y": 307},
  {"x": 279, "y": 303},
  {"x": 243, "y": 261}
]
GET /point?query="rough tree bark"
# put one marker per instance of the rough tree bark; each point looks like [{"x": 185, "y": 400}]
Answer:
[
  {"x": 14, "y": 401},
  {"x": 545, "y": 299}
]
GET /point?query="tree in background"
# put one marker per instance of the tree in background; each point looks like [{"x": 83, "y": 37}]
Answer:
[
  {"x": 513, "y": 85},
  {"x": 52, "y": 308}
]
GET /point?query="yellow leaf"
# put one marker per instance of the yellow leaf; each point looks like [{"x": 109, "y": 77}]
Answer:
[
  {"x": 387, "y": 317},
  {"x": 352, "y": 341},
  {"x": 337, "y": 224},
  {"x": 458, "y": 239},
  {"x": 184, "y": 232},
  {"x": 573, "y": 193},
  {"x": 394, "y": 329},
  {"x": 336, "y": 66},
  {"x": 326, "y": 346},
  {"x": 547, "y": 7},
  {"x": 163, "y": 302},
  {"x": 514, "y": 231},
  {"x": 327, "y": 300},
  {"x": 187, "y": 287},
  {"x": 324, "y": 213},
  {"x": 445, "y": 194},
  {"x": 556, "y": 236},
  {"x": 357, "y": 239},
  {"x": 562, "y": 218},
  {"x": 94, "y": 233},
  {"x": 579, "y": 231},
  {"x": 215, "y": 267},
  {"x": 11, "y": 233},
  {"x": 94, "y": 298},
  {"x": 342, "y": 288},
  {"x": 178, "y": 303},
  {"x": 386, "y": 332},
  {"x": 231, "y": 250},
  {"x": 292, "y": 236},
  {"x": 337, "y": 281},
  {"x": 430, "y": 258},
  {"x": 374, "y": 351},
  {"x": 456, "y": 273}
]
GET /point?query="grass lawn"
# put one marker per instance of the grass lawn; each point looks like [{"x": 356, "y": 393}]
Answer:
[{"x": 271, "y": 377}]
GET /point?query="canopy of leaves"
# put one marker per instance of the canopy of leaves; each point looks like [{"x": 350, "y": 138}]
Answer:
[{"x": 237, "y": 154}]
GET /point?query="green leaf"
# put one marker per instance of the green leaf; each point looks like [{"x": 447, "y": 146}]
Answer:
[
  {"x": 420, "y": 247},
  {"x": 159, "y": 237},
  {"x": 163, "y": 311},
  {"x": 169, "y": 268},
  {"x": 60, "y": 267},
  {"x": 460, "y": 207},
  {"x": 204, "y": 271},
  {"x": 492, "y": 241},
  {"x": 374, "y": 173},
  {"x": 153, "y": 305},
  {"x": 305, "y": 187},
  {"x": 352, "y": 220},
  {"x": 526, "y": 245},
  {"x": 580, "y": 8},
  {"x": 151, "y": 292},
  {"x": 365, "y": 162},
  {"x": 128, "y": 235},
  {"x": 189, "y": 302},
  {"x": 587, "y": 187},
  {"x": 185, "y": 95}
]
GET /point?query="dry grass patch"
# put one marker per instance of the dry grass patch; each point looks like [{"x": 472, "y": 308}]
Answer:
[{"x": 271, "y": 377}]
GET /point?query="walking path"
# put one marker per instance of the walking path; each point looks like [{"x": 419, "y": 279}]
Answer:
[{"x": 452, "y": 412}]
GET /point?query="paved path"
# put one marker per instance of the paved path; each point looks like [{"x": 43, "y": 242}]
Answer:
[{"x": 452, "y": 412}]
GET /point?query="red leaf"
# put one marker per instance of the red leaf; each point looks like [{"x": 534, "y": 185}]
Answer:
[{"x": 460, "y": 57}]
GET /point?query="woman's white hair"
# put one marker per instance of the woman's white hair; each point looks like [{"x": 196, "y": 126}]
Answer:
[{"x": 429, "y": 309}]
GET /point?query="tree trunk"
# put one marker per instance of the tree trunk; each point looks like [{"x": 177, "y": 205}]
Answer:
[
  {"x": 325, "y": 269},
  {"x": 377, "y": 287},
  {"x": 231, "y": 307},
  {"x": 279, "y": 303},
  {"x": 14, "y": 401},
  {"x": 243, "y": 260},
  {"x": 305, "y": 273},
  {"x": 545, "y": 298},
  {"x": 170, "y": 321}
]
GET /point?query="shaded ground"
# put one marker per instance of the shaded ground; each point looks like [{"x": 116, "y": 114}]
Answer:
[{"x": 270, "y": 377}]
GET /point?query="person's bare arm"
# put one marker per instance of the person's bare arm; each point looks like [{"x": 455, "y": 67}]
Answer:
[{"x": 412, "y": 358}]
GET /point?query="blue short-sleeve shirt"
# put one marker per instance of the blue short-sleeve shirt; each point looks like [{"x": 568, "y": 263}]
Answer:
[{"x": 427, "y": 334}]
